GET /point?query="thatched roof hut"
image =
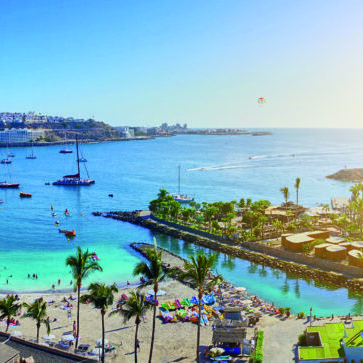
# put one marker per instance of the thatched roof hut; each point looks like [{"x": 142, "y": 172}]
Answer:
[
  {"x": 320, "y": 250},
  {"x": 336, "y": 253},
  {"x": 357, "y": 245},
  {"x": 229, "y": 336},
  {"x": 335, "y": 240},
  {"x": 355, "y": 258},
  {"x": 296, "y": 242}
]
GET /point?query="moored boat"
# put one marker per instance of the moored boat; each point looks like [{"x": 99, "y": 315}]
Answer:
[
  {"x": 66, "y": 151},
  {"x": 180, "y": 197},
  {"x": 6, "y": 185},
  {"x": 25, "y": 195},
  {"x": 6, "y": 161},
  {"x": 68, "y": 233},
  {"x": 74, "y": 179}
]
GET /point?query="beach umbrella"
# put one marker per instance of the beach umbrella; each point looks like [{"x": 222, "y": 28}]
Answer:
[
  {"x": 99, "y": 342},
  {"x": 67, "y": 338},
  {"x": 16, "y": 333},
  {"x": 160, "y": 292},
  {"x": 48, "y": 337}
]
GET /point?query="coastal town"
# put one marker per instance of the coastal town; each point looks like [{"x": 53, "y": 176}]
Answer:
[{"x": 17, "y": 129}]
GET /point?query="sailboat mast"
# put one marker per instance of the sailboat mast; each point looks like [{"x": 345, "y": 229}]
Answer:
[
  {"x": 179, "y": 181},
  {"x": 77, "y": 157}
]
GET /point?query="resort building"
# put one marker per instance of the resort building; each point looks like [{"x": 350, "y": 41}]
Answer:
[
  {"x": 333, "y": 342},
  {"x": 19, "y": 135}
]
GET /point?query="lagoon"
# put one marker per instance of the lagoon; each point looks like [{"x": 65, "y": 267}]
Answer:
[{"x": 219, "y": 169}]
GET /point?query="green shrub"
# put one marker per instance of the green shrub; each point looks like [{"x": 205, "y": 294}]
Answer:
[
  {"x": 258, "y": 353},
  {"x": 301, "y": 315},
  {"x": 302, "y": 340},
  {"x": 281, "y": 311},
  {"x": 308, "y": 247}
]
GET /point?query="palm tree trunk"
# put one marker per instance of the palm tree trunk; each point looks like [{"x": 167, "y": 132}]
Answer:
[
  {"x": 136, "y": 331},
  {"x": 156, "y": 288},
  {"x": 103, "y": 334},
  {"x": 38, "y": 327},
  {"x": 200, "y": 295},
  {"x": 78, "y": 304},
  {"x": 7, "y": 325},
  {"x": 297, "y": 196}
]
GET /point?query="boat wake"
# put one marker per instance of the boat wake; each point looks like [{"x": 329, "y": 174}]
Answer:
[{"x": 218, "y": 167}]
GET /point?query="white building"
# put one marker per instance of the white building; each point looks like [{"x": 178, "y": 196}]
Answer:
[{"x": 19, "y": 135}]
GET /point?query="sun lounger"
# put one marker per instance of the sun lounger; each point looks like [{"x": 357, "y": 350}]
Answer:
[
  {"x": 178, "y": 304},
  {"x": 194, "y": 300},
  {"x": 186, "y": 302}
]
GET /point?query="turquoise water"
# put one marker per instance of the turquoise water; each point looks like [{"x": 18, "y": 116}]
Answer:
[{"x": 219, "y": 169}]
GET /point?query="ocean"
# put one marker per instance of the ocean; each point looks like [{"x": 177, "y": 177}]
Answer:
[{"x": 213, "y": 168}]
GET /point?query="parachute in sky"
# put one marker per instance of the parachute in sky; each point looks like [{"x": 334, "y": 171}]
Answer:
[{"x": 261, "y": 100}]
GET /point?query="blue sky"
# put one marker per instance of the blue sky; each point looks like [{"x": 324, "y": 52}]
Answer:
[{"x": 200, "y": 62}]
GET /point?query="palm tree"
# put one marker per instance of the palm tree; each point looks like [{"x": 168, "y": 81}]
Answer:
[
  {"x": 82, "y": 265},
  {"x": 197, "y": 271},
  {"x": 37, "y": 311},
  {"x": 162, "y": 194},
  {"x": 285, "y": 193},
  {"x": 134, "y": 307},
  {"x": 101, "y": 296},
  {"x": 8, "y": 309},
  {"x": 154, "y": 273},
  {"x": 297, "y": 186}
]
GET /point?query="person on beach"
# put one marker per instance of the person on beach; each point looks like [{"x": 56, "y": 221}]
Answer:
[
  {"x": 74, "y": 328},
  {"x": 59, "y": 281},
  {"x": 138, "y": 345}
]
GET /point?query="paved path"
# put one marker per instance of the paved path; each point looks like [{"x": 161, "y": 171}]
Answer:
[{"x": 280, "y": 340}]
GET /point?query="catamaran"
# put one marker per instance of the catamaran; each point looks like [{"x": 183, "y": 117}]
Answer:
[
  {"x": 180, "y": 197},
  {"x": 75, "y": 179}
]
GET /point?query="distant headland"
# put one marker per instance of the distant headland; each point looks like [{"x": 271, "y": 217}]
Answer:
[
  {"x": 353, "y": 175},
  {"x": 21, "y": 129}
]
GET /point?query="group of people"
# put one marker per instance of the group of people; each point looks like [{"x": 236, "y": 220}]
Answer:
[{"x": 34, "y": 276}]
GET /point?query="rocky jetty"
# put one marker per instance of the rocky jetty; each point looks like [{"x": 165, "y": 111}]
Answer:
[
  {"x": 353, "y": 175},
  {"x": 325, "y": 277}
]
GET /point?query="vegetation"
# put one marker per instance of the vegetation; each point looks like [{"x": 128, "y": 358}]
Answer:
[
  {"x": 101, "y": 296},
  {"x": 302, "y": 339},
  {"x": 134, "y": 307},
  {"x": 257, "y": 355},
  {"x": 153, "y": 273},
  {"x": 241, "y": 220},
  {"x": 197, "y": 271},
  {"x": 8, "y": 309},
  {"x": 37, "y": 311},
  {"x": 309, "y": 246},
  {"x": 297, "y": 187},
  {"x": 82, "y": 265}
]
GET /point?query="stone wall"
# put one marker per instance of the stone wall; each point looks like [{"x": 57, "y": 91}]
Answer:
[{"x": 325, "y": 277}]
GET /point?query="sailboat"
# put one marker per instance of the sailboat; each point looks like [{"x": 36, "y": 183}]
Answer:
[
  {"x": 5, "y": 184},
  {"x": 179, "y": 197},
  {"x": 74, "y": 179},
  {"x": 65, "y": 150},
  {"x": 31, "y": 156}
]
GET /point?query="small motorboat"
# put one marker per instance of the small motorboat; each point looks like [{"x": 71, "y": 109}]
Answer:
[
  {"x": 11, "y": 155},
  {"x": 54, "y": 214},
  {"x": 25, "y": 195},
  {"x": 5, "y": 161},
  {"x": 110, "y": 195},
  {"x": 66, "y": 151},
  {"x": 47, "y": 183},
  {"x": 66, "y": 212},
  {"x": 68, "y": 233},
  {"x": 83, "y": 160},
  {"x": 57, "y": 222}
]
